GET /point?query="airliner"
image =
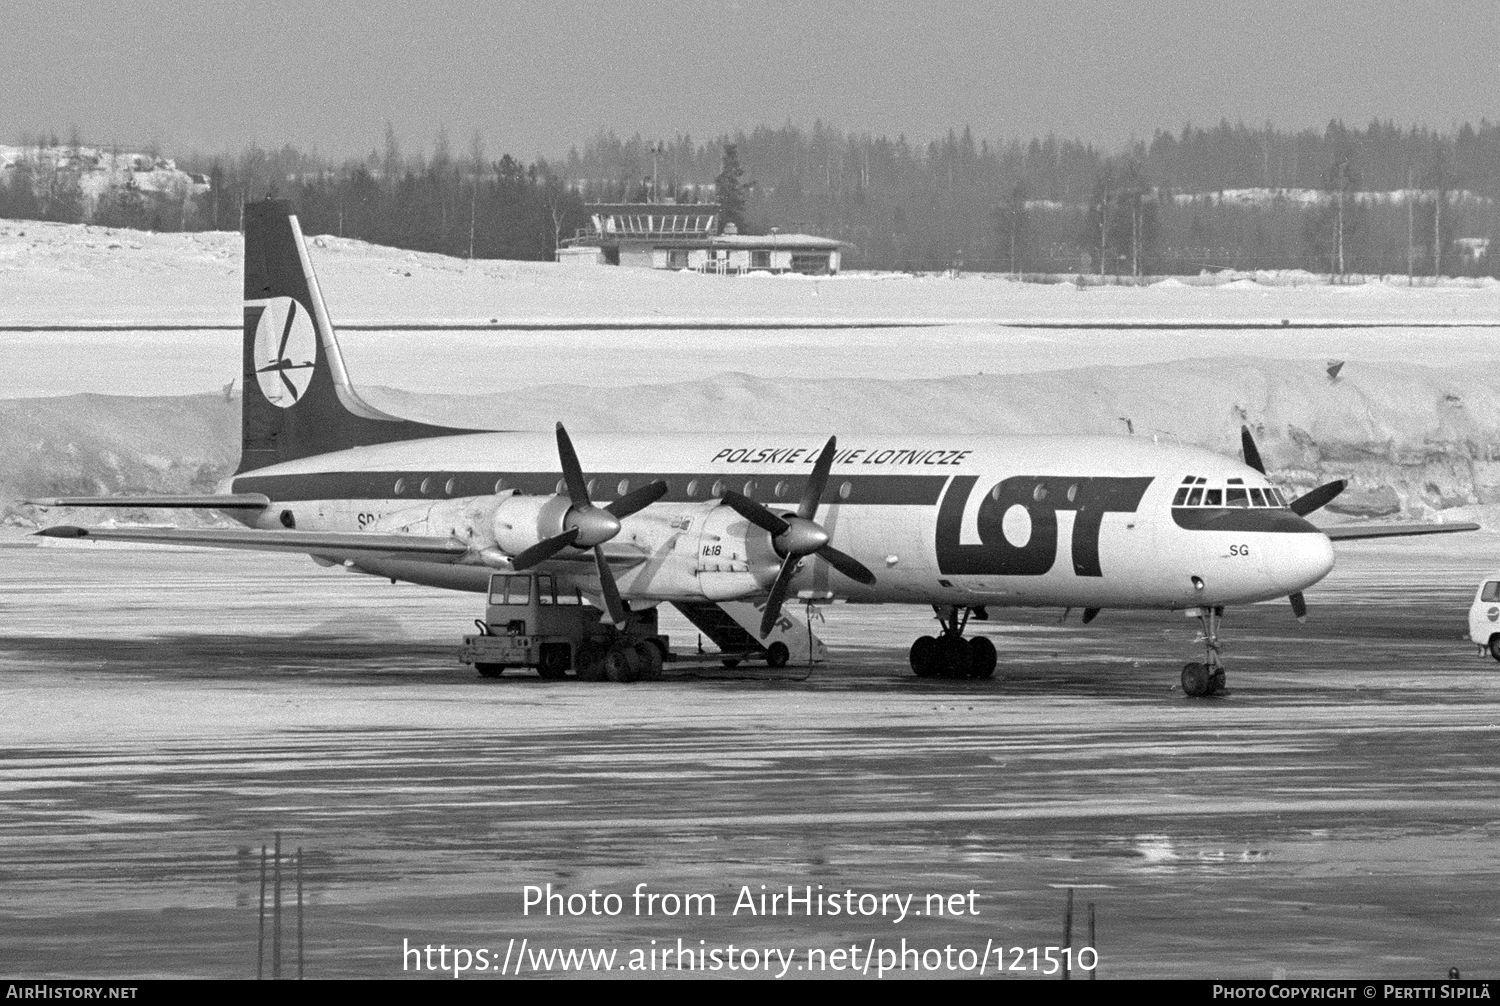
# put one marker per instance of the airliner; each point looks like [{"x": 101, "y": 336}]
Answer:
[{"x": 962, "y": 523}]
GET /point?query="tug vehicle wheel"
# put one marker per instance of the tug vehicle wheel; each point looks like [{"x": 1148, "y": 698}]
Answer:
[
  {"x": 590, "y": 662},
  {"x": 777, "y": 654},
  {"x": 621, "y": 665},
  {"x": 648, "y": 656},
  {"x": 553, "y": 661},
  {"x": 489, "y": 670}
]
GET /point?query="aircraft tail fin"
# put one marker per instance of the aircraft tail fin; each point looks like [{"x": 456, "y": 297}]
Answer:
[{"x": 298, "y": 400}]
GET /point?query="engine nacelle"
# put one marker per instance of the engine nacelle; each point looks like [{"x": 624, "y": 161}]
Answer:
[
  {"x": 522, "y": 521},
  {"x": 735, "y": 558}
]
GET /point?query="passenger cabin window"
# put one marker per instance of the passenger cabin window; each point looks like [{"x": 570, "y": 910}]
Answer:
[{"x": 1491, "y": 591}]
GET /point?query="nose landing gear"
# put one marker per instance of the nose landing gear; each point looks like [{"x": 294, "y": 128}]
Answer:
[
  {"x": 950, "y": 655},
  {"x": 1207, "y": 678}
]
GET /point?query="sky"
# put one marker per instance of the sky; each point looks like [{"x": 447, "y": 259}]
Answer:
[{"x": 536, "y": 78}]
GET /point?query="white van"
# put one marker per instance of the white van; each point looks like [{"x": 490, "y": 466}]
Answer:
[{"x": 1484, "y": 617}]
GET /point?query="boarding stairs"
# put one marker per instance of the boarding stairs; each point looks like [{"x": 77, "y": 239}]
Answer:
[{"x": 734, "y": 627}]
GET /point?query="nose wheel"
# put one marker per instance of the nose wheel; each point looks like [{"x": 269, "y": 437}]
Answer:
[{"x": 1207, "y": 678}]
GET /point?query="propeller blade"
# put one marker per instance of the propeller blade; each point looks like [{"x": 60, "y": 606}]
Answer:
[
  {"x": 1089, "y": 614},
  {"x": 755, "y": 513},
  {"x": 813, "y": 492},
  {"x": 1299, "y": 605},
  {"x": 638, "y": 500},
  {"x": 609, "y": 589},
  {"x": 1251, "y": 452},
  {"x": 543, "y": 550},
  {"x": 778, "y": 594},
  {"x": 578, "y": 489},
  {"x": 846, "y": 564},
  {"x": 1317, "y": 499}
]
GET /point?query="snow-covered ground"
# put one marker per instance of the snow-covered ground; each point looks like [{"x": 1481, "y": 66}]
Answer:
[
  {"x": 61, "y": 273},
  {"x": 53, "y": 274},
  {"x": 1413, "y": 418}
]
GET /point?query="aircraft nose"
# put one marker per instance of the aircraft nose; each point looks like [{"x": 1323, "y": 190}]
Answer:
[{"x": 1295, "y": 562}]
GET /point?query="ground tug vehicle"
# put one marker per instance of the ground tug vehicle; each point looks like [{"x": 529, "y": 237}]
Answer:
[{"x": 530, "y": 623}]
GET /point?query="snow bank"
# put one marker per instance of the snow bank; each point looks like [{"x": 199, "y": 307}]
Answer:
[{"x": 69, "y": 273}]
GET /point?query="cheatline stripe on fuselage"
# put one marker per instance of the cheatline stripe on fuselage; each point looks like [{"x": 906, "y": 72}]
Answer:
[
  {"x": 867, "y": 490},
  {"x": 1240, "y": 519}
]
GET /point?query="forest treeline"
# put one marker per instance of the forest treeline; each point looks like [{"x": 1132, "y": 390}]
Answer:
[{"x": 1377, "y": 199}]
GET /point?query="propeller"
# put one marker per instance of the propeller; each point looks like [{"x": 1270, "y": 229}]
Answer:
[
  {"x": 587, "y": 526},
  {"x": 796, "y": 536},
  {"x": 1317, "y": 499},
  {"x": 1250, "y": 451},
  {"x": 1307, "y": 502},
  {"x": 1301, "y": 506}
]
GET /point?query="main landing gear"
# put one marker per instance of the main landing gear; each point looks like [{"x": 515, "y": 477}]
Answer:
[
  {"x": 1206, "y": 678},
  {"x": 950, "y": 655}
]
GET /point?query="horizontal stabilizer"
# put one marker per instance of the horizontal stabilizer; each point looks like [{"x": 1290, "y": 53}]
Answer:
[
  {"x": 350, "y": 543},
  {"x": 1353, "y": 532},
  {"x": 228, "y": 501}
]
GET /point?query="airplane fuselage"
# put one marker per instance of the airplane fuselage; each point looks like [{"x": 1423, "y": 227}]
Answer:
[{"x": 1101, "y": 522}]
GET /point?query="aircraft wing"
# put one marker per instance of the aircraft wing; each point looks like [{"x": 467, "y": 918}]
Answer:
[
  {"x": 341, "y": 543},
  {"x": 228, "y": 501},
  {"x": 1353, "y": 532},
  {"x": 344, "y": 544}
]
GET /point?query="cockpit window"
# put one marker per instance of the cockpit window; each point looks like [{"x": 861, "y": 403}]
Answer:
[
  {"x": 1491, "y": 591},
  {"x": 1233, "y": 493}
]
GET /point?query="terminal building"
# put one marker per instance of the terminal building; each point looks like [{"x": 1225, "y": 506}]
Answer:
[{"x": 686, "y": 236}]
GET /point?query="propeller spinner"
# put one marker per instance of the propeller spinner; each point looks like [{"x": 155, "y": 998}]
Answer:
[
  {"x": 796, "y": 536},
  {"x": 587, "y": 526}
]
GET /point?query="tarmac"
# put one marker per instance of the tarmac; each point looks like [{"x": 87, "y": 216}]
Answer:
[{"x": 165, "y": 712}]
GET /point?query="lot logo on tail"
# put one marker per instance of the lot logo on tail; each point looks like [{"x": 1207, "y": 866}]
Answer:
[{"x": 286, "y": 350}]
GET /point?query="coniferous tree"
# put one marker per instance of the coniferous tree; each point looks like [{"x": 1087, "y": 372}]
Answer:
[
  {"x": 729, "y": 189},
  {"x": 1011, "y": 228}
]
